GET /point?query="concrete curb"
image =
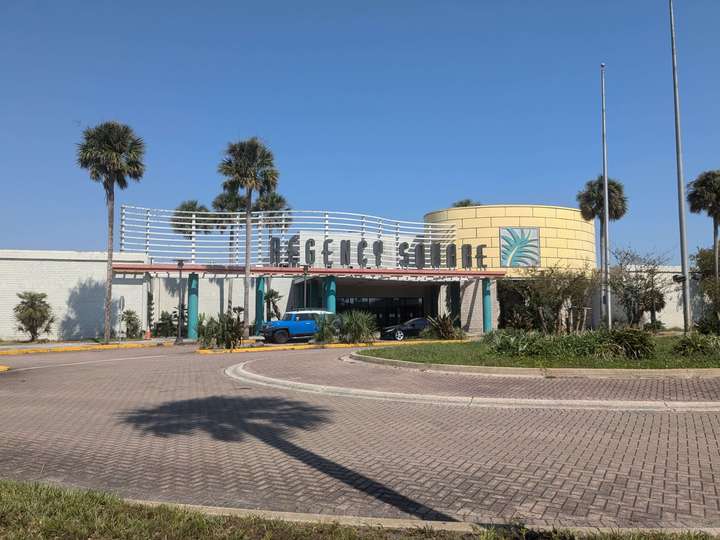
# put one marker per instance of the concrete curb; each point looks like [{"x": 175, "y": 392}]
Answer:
[
  {"x": 310, "y": 346},
  {"x": 400, "y": 523},
  {"x": 583, "y": 373},
  {"x": 238, "y": 372},
  {"x": 76, "y": 348}
]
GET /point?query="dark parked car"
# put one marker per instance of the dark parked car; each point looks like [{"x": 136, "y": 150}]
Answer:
[{"x": 413, "y": 327}]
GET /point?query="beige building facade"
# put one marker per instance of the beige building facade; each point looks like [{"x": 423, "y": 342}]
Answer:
[{"x": 520, "y": 236}]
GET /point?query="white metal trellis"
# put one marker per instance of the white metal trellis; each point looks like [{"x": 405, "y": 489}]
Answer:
[{"x": 219, "y": 237}]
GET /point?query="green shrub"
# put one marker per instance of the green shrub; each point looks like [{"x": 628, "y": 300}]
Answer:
[
  {"x": 357, "y": 326},
  {"x": 166, "y": 326},
  {"x": 697, "y": 344},
  {"x": 654, "y": 327},
  {"x": 634, "y": 343},
  {"x": 629, "y": 343},
  {"x": 328, "y": 329},
  {"x": 225, "y": 332},
  {"x": 511, "y": 342},
  {"x": 33, "y": 314},
  {"x": 708, "y": 324},
  {"x": 132, "y": 324},
  {"x": 443, "y": 327}
]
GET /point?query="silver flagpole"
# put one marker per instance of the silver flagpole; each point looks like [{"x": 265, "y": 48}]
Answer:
[
  {"x": 606, "y": 214},
  {"x": 680, "y": 180}
]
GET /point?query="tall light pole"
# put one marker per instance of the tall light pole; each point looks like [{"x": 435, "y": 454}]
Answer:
[
  {"x": 685, "y": 279},
  {"x": 606, "y": 213}
]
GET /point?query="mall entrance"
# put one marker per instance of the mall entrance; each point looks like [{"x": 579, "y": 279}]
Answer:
[{"x": 391, "y": 301}]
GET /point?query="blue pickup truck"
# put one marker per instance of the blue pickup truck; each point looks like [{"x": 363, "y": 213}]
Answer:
[{"x": 294, "y": 324}]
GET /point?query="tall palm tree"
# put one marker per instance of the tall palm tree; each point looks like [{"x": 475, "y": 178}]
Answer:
[
  {"x": 703, "y": 195},
  {"x": 591, "y": 201},
  {"x": 229, "y": 201},
  {"x": 111, "y": 153},
  {"x": 248, "y": 165},
  {"x": 182, "y": 218}
]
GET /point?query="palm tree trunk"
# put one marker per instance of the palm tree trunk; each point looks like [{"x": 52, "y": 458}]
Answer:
[
  {"x": 248, "y": 258},
  {"x": 715, "y": 248},
  {"x": 110, "y": 200}
]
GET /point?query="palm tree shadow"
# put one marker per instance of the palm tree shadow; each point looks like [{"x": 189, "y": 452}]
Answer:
[{"x": 270, "y": 420}]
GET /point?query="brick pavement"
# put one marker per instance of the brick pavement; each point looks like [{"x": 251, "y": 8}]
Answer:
[
  {"x": 324, "y": 368},
  {"x": 173, "y": 427}
]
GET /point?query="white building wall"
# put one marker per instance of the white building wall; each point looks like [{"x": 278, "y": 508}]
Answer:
[
  {"x": 213, "y": 294},
  {"x": 75, "y": 284}
]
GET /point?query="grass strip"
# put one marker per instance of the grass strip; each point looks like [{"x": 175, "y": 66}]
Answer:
[
  {"x": 38, "y": 511},
  {"x": 477, "y": 353}
]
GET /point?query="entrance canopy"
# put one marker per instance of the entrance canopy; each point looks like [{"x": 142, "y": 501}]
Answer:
[{"x": 409, "y": 274}]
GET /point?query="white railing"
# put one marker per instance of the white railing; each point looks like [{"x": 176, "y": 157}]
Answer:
[{"x": 219, "y": 237}]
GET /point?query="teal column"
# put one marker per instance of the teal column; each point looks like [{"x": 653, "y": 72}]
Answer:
[
  {"x": 330, "y": 290},
  {"x": 259, "y": 304},
  {"x": 193, "y": 289},
  {"x": 487, "y": 306}
]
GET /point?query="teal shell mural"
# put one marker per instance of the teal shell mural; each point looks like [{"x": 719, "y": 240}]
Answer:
[{"x": 519, "y": 247}]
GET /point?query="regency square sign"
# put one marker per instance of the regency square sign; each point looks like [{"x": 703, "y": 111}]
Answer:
[{"x": 373, "y": 253}]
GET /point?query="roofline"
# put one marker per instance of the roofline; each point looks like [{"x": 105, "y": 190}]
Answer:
[
  {"x": 504, "y": 206},
  {"x": 257, "y": 271}
]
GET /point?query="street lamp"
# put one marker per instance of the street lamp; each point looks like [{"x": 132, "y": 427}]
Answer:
[{"x": 179, "y": 339}]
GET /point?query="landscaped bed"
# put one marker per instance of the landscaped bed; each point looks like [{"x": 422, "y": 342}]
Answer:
[
  {"x": 487, "y": 352},
  {"x": 45, "y": 512}
]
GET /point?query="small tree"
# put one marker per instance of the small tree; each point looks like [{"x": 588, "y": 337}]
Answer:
[
  {"x": 703, "y": 262},
  {"x": 272, "y": 297},
  {"x": 638, "y": 284},
  {"x": 551, "y": 300},
  {"x": 462, "y": 203},
  {"x": 132, "y": 324},
  {"x": 33, "y": 314}
]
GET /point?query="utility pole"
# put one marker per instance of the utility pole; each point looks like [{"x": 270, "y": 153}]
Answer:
[
  {"x": 685, "y": 279},
  {"x": 606, "y": 213}
]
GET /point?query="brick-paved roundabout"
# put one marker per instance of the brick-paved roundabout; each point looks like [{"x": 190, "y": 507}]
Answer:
[{"x": 168, "y": 424}]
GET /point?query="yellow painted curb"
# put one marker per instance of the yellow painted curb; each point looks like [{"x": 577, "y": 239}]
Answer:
[
  {"x": 308, "y": 346},
  {"x": 75, "y": 348},
  {"x": 4, "y": 368}
]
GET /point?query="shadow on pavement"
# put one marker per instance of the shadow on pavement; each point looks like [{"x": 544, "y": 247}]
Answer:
[{"x": 270, "y": 420}]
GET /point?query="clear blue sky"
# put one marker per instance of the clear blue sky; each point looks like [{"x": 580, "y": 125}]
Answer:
[{"x": 389, "y": 108}]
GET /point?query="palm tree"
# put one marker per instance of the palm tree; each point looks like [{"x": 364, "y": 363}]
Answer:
[
  {"x": 703, "y": 195},
  {"x": 591, "y": 202},
  {"x": 270, "y": 201},
  {"x": 229, "y": 201},
  {"x": 466, "y": 202},
  {"x": 182, "y": 218},
  {"x": 248, "y": 165},
  {"x": 112, "y": 153},
  {"x": 272, "y": 297}
]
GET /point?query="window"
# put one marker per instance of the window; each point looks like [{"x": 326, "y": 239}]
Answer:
[{"x": 306, "y": 317}]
